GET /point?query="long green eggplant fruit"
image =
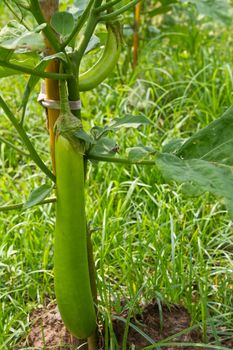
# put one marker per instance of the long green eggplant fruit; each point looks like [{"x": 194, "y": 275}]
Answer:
[
  {"x": 72, "y": 282},
  {"x": 103, "y": 67}
]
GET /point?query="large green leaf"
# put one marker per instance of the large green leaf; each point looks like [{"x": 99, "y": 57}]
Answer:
[
  {"x": 213, "y": 143},
  {"x": 219, "y": 10},
  {"x": 20, "y": 46},
  {"x": 140, "y": 152},
  {"x": 15, "y": 36},
  {"x": 204, "y": 162},
  {"x": 11, "y": 30},
  {"x": 173, "y": 146},
  {"x": 204, "y": 176}
]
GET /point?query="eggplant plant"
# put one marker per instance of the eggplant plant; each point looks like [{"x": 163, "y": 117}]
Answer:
[
  {"x": 57, "y": 36},
  {"x": 52, "y": 49}
]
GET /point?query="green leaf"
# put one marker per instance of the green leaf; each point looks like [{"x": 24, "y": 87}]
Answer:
[
  {"x": 14, "y": 36},
  {"x": 213, "y": 143},
  {"x": 192, "y": 189},
  {"x": 23, "y": 3},
  {"x": 173, "y": 145},
  {"x": 82, "y": 135},
  {"x": 29, "y": 60},
  {"x": 104, "y": 147},
  {"x": 206, "y": 160},
  {"x": 96, "y": 131},
  {"x": 206, "y": 176},
  {"x": 63, "y": 23},
  {"x": 219, "y": 10},
  {"x": 129, "y": 121},
  {"x": 138, "y": 153},
  {"x": 38, "y": 195},
  {"x": 11, "y": 30},
  {"x": 29, "y": 42}
]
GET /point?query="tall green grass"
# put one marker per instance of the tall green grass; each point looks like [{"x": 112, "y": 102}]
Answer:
[{"x": 150, "y": 241}]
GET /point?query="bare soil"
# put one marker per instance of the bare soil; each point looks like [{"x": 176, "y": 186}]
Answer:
[
  {"x": 158, "y": 323},
  {"x": 48, "y": 331}
]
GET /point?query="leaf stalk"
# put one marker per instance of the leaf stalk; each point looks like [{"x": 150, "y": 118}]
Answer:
[
  {"x": 26, "y": 70},
  {"x": 19, "y": 206},
  {"x": 106, "y": 6},
  {"x": 120, "y": 160},
  {"x": 111, "y": 16},
  {"x": 34, "y": 155}
]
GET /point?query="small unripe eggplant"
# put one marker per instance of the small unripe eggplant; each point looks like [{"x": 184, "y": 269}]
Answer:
[{"x": 104, "y": 66}]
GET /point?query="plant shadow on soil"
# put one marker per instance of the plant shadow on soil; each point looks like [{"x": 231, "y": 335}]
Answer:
[{"x": 48, "y": 331}]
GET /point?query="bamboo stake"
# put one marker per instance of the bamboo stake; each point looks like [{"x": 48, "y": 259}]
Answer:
[
  {"x": 52, "y": 93},
  {"x": 137, "y": 13},
  {"x": 51, "y": 86}
]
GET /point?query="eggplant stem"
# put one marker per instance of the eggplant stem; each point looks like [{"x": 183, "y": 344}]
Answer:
[{"x": 92, "y": 342}]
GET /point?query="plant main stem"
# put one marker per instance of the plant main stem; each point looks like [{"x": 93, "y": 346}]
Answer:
[
  {"x": 77, "y": 57},
  {"x": 91, "y": 342}
]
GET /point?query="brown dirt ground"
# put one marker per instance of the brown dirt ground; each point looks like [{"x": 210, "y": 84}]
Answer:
[{"x": 48, "y": 331}]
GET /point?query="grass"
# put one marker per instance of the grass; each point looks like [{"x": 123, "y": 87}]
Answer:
[{"x": 150, "y": 241}]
